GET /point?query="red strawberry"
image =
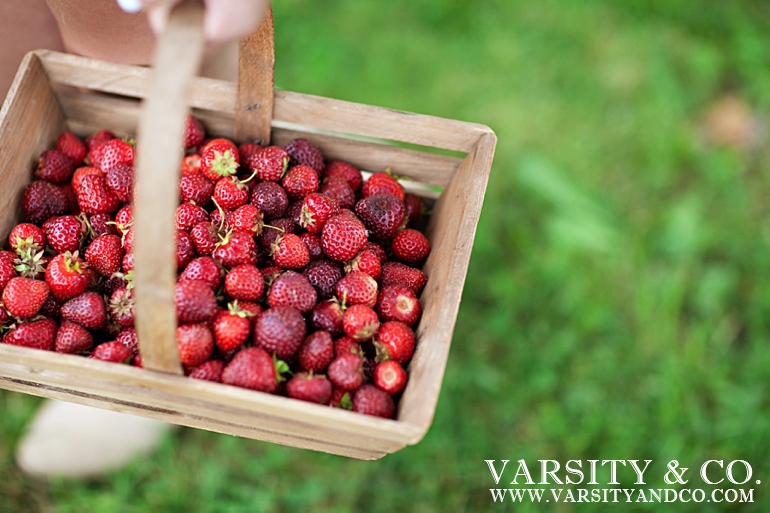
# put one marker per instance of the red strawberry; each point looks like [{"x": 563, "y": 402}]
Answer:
[
  {"x": 204, "y": 269},
  {"x": 360, "y": 322},
  {"x": 113, "y": 351},
  {"x": 410, "y": 246},
  {"x": 195, "y": 343},
  {"x": 346, "y": 371},
  {"x": 340, "y": 191},
  {"x": 367, "y": 262},
  {"x": 270, "y": 164},
  {"x": 357, "y": 288},
  {"x": 245, "y": 282},
  {"x": 105, "y": 254},
  {"x": 195, "y": 301},
  {"x": 111, "y": 153},
  {"x": 382, "y": 183},
  {"x": 23, "y": 297},
  {"x": 398, "y": 303},
  {"x": 280, "y": 330},
  {"x": 81, "y": 173},
  {"x": 71, "y": 145},
  {"x": 101, "y": 224},
  {"x": 86, "y": 309},
  {"x": 127, "y": 337},
  {"x": 247, "y": 218},
  {"x": 98, "y": 138},
  {"x": 327, "y": 315},
  {"x": 323, "y": 275},
  {"x": 345, "y": 345},
  {"x": 193, "y": 133},
  {"x": 7, "y": 271},
  {"x": 231, "y": 193},
  {"x": 413, "y": 207},
  {"x": 316, "y": 352},
  {"x": 370, "y": 400},
  {"x": 127, "y": 264},
  {"x": 377, "y": 250},
  {"x": 95, "y": 196},
  {"x": 219, "y": 158},
  {"x": 188, "y": 215},
  {"x": 54, "y": 166},
  {"x": 309, "y": 387},
  {"x": 185, "y": 251},
  {"x": 235, "y": 248},
  {"x": 120, "y": 179},
  {"x": 347, "y": 172},
  {"x": 37, "y": 334},
  {"x": 191, "y": 164},
  {"x": 253, "y": 308},
  {"x": 26, "y": 238},
  {"x": 204, "y": 238},
  {"x": 313, "y": 242},
  {"x": 124, "y": 218},
  {"x": 72, "y": 338},
  {"x": 383, "y": 215},
  {"x": 289, "y": 252},
  {"x": 209, "y": 371},
  {"x": 64, "y": 233},
  {"x": 316, "y": 210},
  {"x": 232, "y": 327},
  {"x": 137, "y": 361},
  {"x": 292, "y": 289},
  {"x": 128, "y": 239},
  {"x": 300, "y": 181},
  {"x": 43, "y": 200},
  {"x": 395, "y": 273},
  {"x": 66, "y": 276},
  {"x": 276, "y": 228},
  {"x": 248, "y": 150},
  {"x": 397, "y": 340},
  {"x": 253, "y": 368},
  {"x": 343, "y": 237},
  {"x": 195, "y": 188},
  {"x": 303, "y": 152},
  {"x": 122, "y": 307},
  {"x": 270, "y": 198}
]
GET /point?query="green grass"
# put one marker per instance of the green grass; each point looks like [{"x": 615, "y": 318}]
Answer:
[{"x": 617, "y": 304}]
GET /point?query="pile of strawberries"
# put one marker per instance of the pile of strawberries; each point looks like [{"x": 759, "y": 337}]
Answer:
[{"x": 295, "y": 276}]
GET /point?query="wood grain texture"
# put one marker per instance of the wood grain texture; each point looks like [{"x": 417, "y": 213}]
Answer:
[
  {"x": 161, "y": 130},
  {"x": 256, "y": 76}
]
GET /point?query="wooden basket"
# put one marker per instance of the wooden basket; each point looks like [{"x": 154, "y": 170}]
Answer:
[{"x": 54, "y": 92}]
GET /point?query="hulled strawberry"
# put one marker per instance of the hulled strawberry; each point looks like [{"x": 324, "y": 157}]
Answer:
[
  {"x": 232, "y": 327},
  {"x": 396, "y": 273},
  {"x": 383, "y": 215},
  {"x": 309, "y": 387},
  {"x": 23, "y": 297},
  {"x": 270, "y": 198},
  {"x": 398, "y": 303},
  {"x": 86, "y": 309},
  {"x": 300, "y": 181},
  {"x": 346, "y": 171},
  {"x": 292, "y": 289},
  {"x": 204, "y": 269},
  {"x": 280, "y": 330},
  {"x": 195, "y": 302},
  {"x": 37, "y": 334},
  {"x": 195, "y": 343},
  {"x": 396, "y": 339},
  {"x": 382, "y": 183},
  {"x": 360, "y": 322},
  {"x": 193, "y": 133},
  {"x": 120, "y": 178},
  {"x": 209, "y": 371},
  {"x": 327, "y": 315},
  {"x": 71, "y": 145},
  {"x": 72, "y": 338},
  {"x": 54, "y": 166},
  {"x": 43, "y": 200},
  {"x": 323, "y": 275},
  {"x": 410, "y": 246},
  {"x": 219, "y": 158},
  {"x": 195, "y": 188},
  {"x": 316, "y": 210},
  {"x": 270, "y": 164},
  {"x": 370, "y": 400},
  {"x": 95, "y": 196},
  {"x": 343, "y": 237},
  {"x": 255, "y": 369},
  {"x": 346, "y": 371},
  {"x": 316, "y": 352},
  {"x": 289, "y": 252},
  {"x": 245, "y": 282},
  {"x": 105, "y": 254},
  {"x": 66, "y": 275},
  {"x": 113, "y": 352}
]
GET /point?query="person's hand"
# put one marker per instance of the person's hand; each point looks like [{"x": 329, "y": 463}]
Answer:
[{"x": 225, "y": 20}]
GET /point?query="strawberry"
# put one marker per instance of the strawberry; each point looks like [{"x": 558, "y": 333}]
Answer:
[
  {"x": 137, "y": 361},
  {"x": 185, "y": 251},
  {"x": 303, "y": 152},
  {"x": 127, "y": 264},
  {"x": 313, "y": 242},
  {"x": 66, "y": 276},
  {"x": 64, "y": 233},
  {"x": 280, "y": 330},
  {"x": 316, "y": 352},
  {"x": 219, "y": 158},
  {"x": 81, "y": 173},
  {"x": 191, "y": 164},
  {"x": 26, "y": 238},
  {"x": 195, "y": 301},
  {"x": 276, "y": 228},
  {"x": 382, "y": 183},
  {"x": 195, "y": 188},
  {"x": 251, "y": 307},
  {"x": 270, "y": 198},
  {"x": 98, "y": 138},
  {"x": 395, "y": 273},
  {"x": 113, "y": 351},
  {"x": 289, "y": 252},
  {"x": 105, "y": 254},
  {"x": 367, "y": 262},
  {"x": 357, "y": 288},
  {"x": 410, "y": 246},
  {"x": 339, "y": 190},
  {"x": 360, "y": 322},
  {"x": 292, "y": 289},
  {"x": 210, "y": 370},
  {"x": 309, "y": 387},
  {"x": 300, "y": 181},
  {"x": 370, "y": 400},
  {"x": 43, "y": 200},
  {"x": 245, "y": 282},
  {"x": 54, "y": 166},
  {"x": 398, "y": 303},
  {"x": 253, "y": 368},
  {"x": 236, "y": 247},
  {"x": 72, "y": 338},
  {"x": 396, "y": 341},
  {"x": 316, "y": 210},
  {"x": 193, "y": 133},
  {"x": 124, "y": 218},
  {"x": 343, "y": 237},
  {"x": 188, "y": 215},
  {"x": 347, "y": 172},
  {"x": 345, "y": 345},
  {"x": 327, "y": 315},
  {"x": 323, "y": 275},
  {"x": 294, "y": 212},
  {"x": 270, "y": 164},
  {"x": 127, "y": 337},
  {"x": 204, "y": 269},
  {"x": 120, "y": 179},
  {"x": 232, "y": 327},
  {"x": 71, "y": 145},
  {"x": 7, "y": 272},
  {"x": 95, "y": 196},
  {"x": 23, "y": 297},
  {"x": 248, "y": 150},
  {"x": 110, "y": 154},
  {"x": 101, "y": 224},
  {"x": 248, "y": 218},
  {"x": 195, "y": 343},
  {"x": 341, "y": 399},
  {"x": 383, "y": 215},
  {"x": 128, "y": 239},
  {"x": 122, "y": 307},
  {"x": 86, "y": 309},
  {"x": 204, "y": 238},
  {"x": 38, "y": 334},
  {"x": 346, "y": 371},
  {"x": 413, "y": 207},
  {"x": 230, "y": 192}
]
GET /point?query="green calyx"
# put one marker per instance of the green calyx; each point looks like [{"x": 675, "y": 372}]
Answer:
[
  {"x": 234, "y": 309},
  {"x": 224, "y": 164},
  {"x": 346, "y": 403},
  {"x": 281, "y": 368}
]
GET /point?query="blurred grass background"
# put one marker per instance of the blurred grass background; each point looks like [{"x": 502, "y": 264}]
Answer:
[{"x": 617, "y": 301}]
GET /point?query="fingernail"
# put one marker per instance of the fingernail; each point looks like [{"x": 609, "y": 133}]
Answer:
[{"x": 130, "y": 6}]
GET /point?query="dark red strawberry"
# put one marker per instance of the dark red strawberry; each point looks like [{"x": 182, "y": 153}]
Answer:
[
  {"x": 195, "y": 302},
  {"x": 127, "y": 337},
  {"x": 98, "y": 138},
  {"x": 101, "y": 224},
  {"x": 316, "y": 210},
  {"x": 398, "y": 303},
  {"x": 195, "y": 343},
  {"x": 23, "y": 297},
  {"x": 303, "y": 152},
  {"x": 367, "y": 262},
  {"x": 280, "y": 330},
  {"x": 195, "y": 188},
  {"x": 204, "y": 237},
  {"x": 338, "y": 189},
  {"x": 270, "y": 198},
  {"x": 111, "y": 153},
  {"x": 289, "y": 252},
  {"x": 382, "y": 183},
  {"x": 38, "y": 334},
  {"x": 255, "y": 369},
  {"x": 251, "y": 307},
  {"x": 410, "y": 246},
  {"x": 122, "y": 307},
  {"x": 26, "y": 238},
  {"x": 105, "y": 255},
  {"x": 219, "y": 158},
  {"x": 193, "y": 133},
  {"x": 235, "y": 248},
  {"x": 370, "y": 400},
  {"x": 292, "y": 289},
  {"x": 383, "y": 215},
  {"x": 312, "y": 388},
  {"x": 343, "y": 237},
  {"x": 396, "y": 339},
  {"x": 345, "y": 345},
  {"x": 86, "y": 309},
  {"x": 270, "y": 164},
  {"x": 248, "y": 150},
  {"x": 71, "y": 145},
  {"x": 316, "y": 352},
  {"x": 188, "y": 215},
  {"x": 245, "y": 282},
  {"x": 276, "y": 228},
  {"x": 209, "y": 371},
  {"x": 314, "y": 247},
  {"x": 327, "y": 315},
  {"x": 204, "y": 269},
  {"x": 120, "y": 179},
  {"x": 395, "y": 273},
  {"x": 323, "y": 275},
  {"x": 357, "y": 288},
  {"x": 185, "y": 251},
  {"x": 43, "y": 200},
  {"x": 54, "y": 166},
  {"x": 232, "y": 327},
  {"x": 66, "y": 275},
  {"x": 347, "y": 172},
  {"x": 413, "y": 207},
  {"x": 72, "y": 338},
  {"x": 360, "y": 322},
  {"x": 300, "y": 181},
  {"x": 293, "y": 212},
  {"x": 346, "y": 371},
  {"x": 113, "y": 352},
  {"x": 95, "y": 196}
]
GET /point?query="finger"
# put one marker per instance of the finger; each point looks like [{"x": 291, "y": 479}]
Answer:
[{"x": 227, "y": 20}]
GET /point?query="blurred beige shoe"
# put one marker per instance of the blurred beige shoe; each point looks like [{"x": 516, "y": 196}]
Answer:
[{"x": 71, "y": 440}]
